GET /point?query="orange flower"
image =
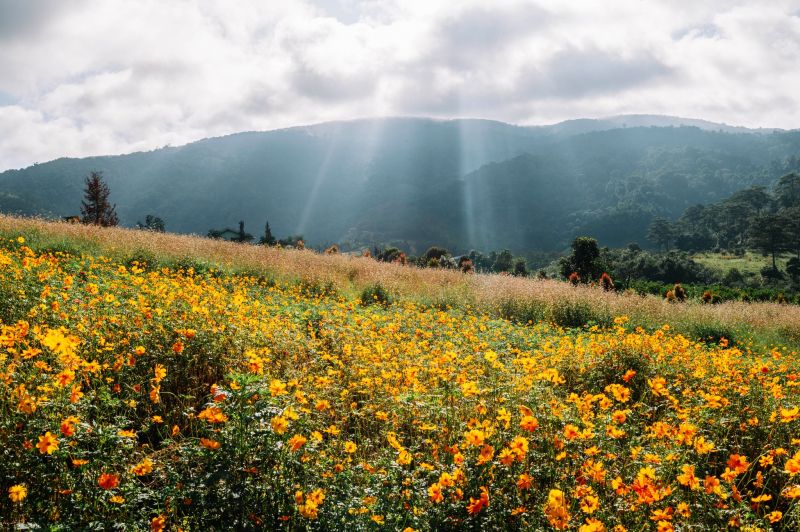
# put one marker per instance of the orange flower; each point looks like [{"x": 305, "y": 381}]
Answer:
[
  {"x": 296, "y": 442},
  {"x": 108, "y": 481},
  {"x": 476, "y": 505},
  {"x": 210, "y": 444},
  {"x": 47, "y": 443},
  {"x": 529, "y": 423},
  {"x": 213, "y": 414},
  {"x": 158, "y": 523}
]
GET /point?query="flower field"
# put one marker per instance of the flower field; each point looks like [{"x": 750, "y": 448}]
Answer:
[{"x": 140, "y": 398}]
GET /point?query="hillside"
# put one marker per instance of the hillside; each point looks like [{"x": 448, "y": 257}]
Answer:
[
  {"x": 161, "y": 381},
  {"x": 418, "y": 182}
]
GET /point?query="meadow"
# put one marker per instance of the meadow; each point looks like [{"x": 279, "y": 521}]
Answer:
[{"x": 162, "y": 382}]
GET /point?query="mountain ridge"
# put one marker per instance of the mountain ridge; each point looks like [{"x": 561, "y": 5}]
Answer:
[{"x": 415, "y": 182}]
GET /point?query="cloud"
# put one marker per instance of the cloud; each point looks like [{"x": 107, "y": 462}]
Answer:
[{"x": 83, "y": 77}]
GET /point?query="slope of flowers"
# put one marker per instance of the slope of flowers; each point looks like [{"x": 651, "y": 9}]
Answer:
[{"x": 169, "y": 400}]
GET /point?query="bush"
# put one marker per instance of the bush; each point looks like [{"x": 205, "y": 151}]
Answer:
[
  {"x": 712, "y": 333},
  {"x": 578, "y": 314},
  {"x": 375, "y": 294}
]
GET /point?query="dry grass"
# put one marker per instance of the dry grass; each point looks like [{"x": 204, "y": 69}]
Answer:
[{"x": 510, "y": 297}]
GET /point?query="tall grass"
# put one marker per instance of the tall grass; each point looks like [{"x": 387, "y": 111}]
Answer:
[{"x": 517, "y": 299}]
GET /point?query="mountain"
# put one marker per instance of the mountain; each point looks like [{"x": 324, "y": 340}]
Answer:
[{"x": 416, "y": 182}]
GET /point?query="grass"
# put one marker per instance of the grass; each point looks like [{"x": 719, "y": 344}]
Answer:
[
  {"x": 749, "y": 263},
  {"x": 518, "y": 299}
]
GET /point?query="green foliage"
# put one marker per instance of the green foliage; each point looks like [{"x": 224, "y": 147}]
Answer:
[
  {"x": 375, "y": 294},
  {"x": 572, "y": 314},
  {"x": 585, "y": 260},
  {"x": 528, "y": 189},
  {"x": 713, "y": 333},
  {"x": 152, "y": 223}
]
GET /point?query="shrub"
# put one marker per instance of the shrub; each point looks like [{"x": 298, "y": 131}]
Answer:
[
  {"x": 712, "y": 333},
  {"x": 573, "y": 314},
  {"x": 375, "y": 294}
]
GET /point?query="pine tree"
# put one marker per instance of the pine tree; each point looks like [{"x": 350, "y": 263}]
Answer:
[
  {"x": 95, "y": 209},
  {"x": 267, "y": 239}
]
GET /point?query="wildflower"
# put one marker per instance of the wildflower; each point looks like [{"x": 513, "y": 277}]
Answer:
[
  {"x": 108, "y": 481},
  {"x": 529, "y": 423},
  {"x": 792, "y": 466},
  {"x": 350, "y": 447},
  {"x": 525, "y": 481},
  {"x": 592, "y": 525},
  {"x": 160, "y": 372},
  {"x": 556, "y": 510},
  {"x": 590, "y": 504},
  {"x": 688, "y": 478},
  {"x": 213, "y": 415},
  {"x": 476, "y": 505},
  {"x": 47, "y": 443},
  {"x": 155, "y": 394},
  {"x": 158, "y": 523},
  {"x": 277, "y": 388},
  {"x": 486, "y": 454},
  {"x": 435, "y": 493},
  {"x": 210, "y": 444},
  {"x": 296, "y": 442},
  {"x": 17, "y": 493},
  {"x": 475, "y": 437},
  {"x": 144, "y": 467}
]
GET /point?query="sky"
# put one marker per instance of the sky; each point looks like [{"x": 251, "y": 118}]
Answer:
[{"x": 93, "y": 77}]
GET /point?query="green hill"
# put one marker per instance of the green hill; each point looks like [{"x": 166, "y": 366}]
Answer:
[{"x": 417, "y": 182}]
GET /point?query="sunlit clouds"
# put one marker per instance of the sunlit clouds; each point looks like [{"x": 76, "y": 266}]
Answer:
[{"x": 84, "y": 77}]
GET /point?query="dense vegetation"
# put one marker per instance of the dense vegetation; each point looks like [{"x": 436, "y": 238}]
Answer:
[
  {"x": 194, "y": 397},
  {"x": 413, "y": 183}
]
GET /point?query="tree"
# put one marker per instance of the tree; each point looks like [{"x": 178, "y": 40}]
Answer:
[
  {"x": 95, "y": 209},
  {"x": 793, "y": 268},
  {"x": 787, "y": 190},
  {"x": 768, "y": 235},
  {"x": 152, "y": 223},
  {"x": 585, "y": 260},
  {"x": 242, "y": 237},
  {"x": 792, "y": 216},
  {"x": 504, "y": 262},
  {"x": 267, "y": 239},
  {"x": 520, "y": 267},
  {"x": 661, "y": 232}
]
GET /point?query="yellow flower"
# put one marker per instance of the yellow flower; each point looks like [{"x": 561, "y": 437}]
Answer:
[
  {"x": 144, "y": 467},
  {"x": 47, "y": 443},
  {"x": 17, "y": 493},
  {"x": 279, "y": 424},
  {"x": 350, "y": 447}
]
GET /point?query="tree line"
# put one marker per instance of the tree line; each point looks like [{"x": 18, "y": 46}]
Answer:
[{"x": 767, "y": 221}]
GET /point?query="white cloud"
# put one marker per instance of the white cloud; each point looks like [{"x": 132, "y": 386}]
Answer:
[{"x": 82, "y": 77}]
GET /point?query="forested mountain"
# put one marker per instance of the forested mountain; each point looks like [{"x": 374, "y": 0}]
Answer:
[{"x": 416, "y": 182}]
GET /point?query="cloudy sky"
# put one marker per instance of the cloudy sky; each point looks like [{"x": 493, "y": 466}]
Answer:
[{"x": 84, "y": 77}]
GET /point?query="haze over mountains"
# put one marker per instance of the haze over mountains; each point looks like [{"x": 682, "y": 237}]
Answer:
[{"x": 416, "y": 182}]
